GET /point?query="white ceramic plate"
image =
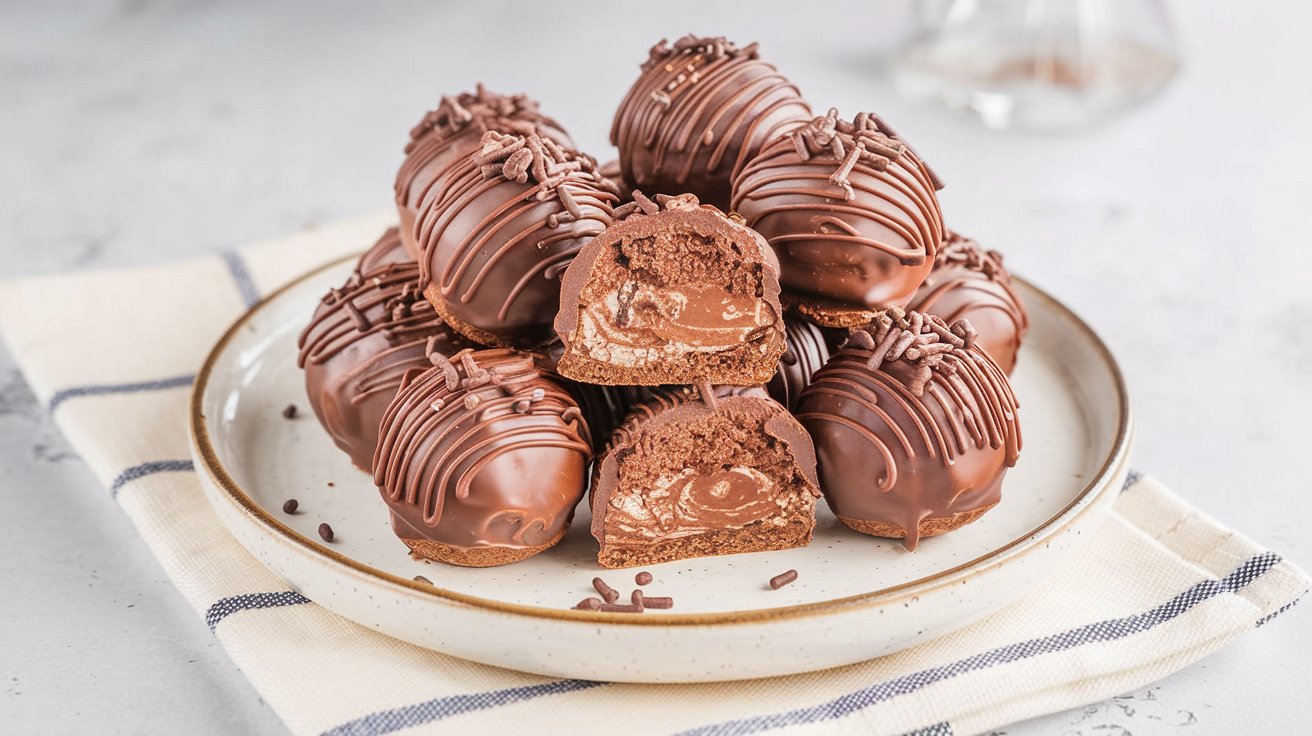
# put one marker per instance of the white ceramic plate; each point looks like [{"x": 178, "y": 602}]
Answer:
[{"x": 856, "y": 597}]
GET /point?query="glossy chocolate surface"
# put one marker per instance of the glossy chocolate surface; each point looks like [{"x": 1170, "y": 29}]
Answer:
[
  {"x": 362, "y": 340},
  {"x": 448, "y": 134},
  {"x": 914, "y": 427},
  {"x": 971, "y": 283},
  {"x": 700, "y": 109},
  {"x": 482, "y": 452},
  {"x": 848, "y": 207},
  {"x": 503, "y": 227},
  {"x": 807, "y": 352}
]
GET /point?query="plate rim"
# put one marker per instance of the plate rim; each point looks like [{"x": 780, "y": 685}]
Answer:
[{"x": 204, "y": 452}]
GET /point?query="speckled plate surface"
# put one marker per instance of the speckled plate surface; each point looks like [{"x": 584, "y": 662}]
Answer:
[{"x": 856, "y": 597}]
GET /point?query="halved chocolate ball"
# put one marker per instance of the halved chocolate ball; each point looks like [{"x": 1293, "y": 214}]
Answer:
[
  {"x": 971, "y": 283},
  {"x": 453, "y": 131},
  {"x": 700, "y": 109},
  {"x": 502, "y": 228},
  {"x": 482, "y": 459},
  {"x": 691, "y": 477},
  {"x": 362, "y": 340},
  {"x": 851, "y": 212},
  {"x": 672, "y": 293},
  {"x": 914, "y": 427}
]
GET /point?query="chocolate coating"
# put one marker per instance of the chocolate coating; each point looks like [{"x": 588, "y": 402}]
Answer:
[
  {"x": 700, "y": 109},
  {"x": 850, "y": 210},
  {"x": 482, "y": 459},
  {"x": 362, "y": 340},
  {"x": 387, "y": 250},
  {"x": 503, "y": 226},
  {"x": 672, "y": 293},
  {"x": 971, "y": 283},
  {"x": 914, "y": 428},
  {"x": 453, "y": 131},
  {"x": 683, "y": 477},
  {"x": 807, "y": 351}
]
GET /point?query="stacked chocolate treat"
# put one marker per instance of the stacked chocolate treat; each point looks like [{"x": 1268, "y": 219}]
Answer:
[{"x": 753, "y": 306}]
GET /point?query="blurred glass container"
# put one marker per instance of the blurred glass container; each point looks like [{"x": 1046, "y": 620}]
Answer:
[{"x": 1039, "y": 64}]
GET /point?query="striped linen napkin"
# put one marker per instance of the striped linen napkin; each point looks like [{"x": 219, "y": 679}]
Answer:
[{"x": 1161, "y": 586}]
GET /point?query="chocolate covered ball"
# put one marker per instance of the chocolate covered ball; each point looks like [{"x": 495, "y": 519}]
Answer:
[
  {"x": 363, "y": 339},
  {"x": 971, "y": 283},
  {"x": 914, "y": 427},
  {"x": 482, "y": 459},
  {"x": 806, "y": 352},
  {"x": 700, "y": 109},
  {"x": 504, "y": 224},
  {"x": 851, "y": 212},
  {"x": 453, "y": 131}
]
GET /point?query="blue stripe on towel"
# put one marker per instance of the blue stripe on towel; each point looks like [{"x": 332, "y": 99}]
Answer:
[
  {"x": 1109, "y": 630},
  {"x": 64, "y": 394},
  {"x": 1131, "y": 478},
  {"x": 225, "y": 607},
  {"x": 1267, "y": 618},
  {"x": 144, "y": 469},
  {"x": 242, "y": 277},
  {"x": 389, "y": 721}
]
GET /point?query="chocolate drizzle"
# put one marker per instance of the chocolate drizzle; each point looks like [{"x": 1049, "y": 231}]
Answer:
[
  {"x": 806, "y": 353},
  {"x": 482, "y": 452},
  {"x": 363, "y": 339},
  {"x": 913, "y": 426},
  {"x": 969, "y": 282},
  {"x": 501, "y": 229},
  {"x": 849, "y": 208},
  {"x": 701, "y": 108},
  {"x": 452, "y": 131}
]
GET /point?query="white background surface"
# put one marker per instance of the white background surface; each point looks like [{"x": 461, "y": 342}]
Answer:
[{"x": 139, "y": 132}]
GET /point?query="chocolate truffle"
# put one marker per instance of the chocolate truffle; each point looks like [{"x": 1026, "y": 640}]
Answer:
[
  {"x": 914, "y": 427},
  {"x": 482, "y": 459},
  {"x": 452, "y": 132},
  {"x": 683, "y": 477},
  {"x": 672, "y": 293},
  {"x": 503, "y": 226},
  {"x": 971, "y": 283},
  {"x": 604, "y": 407},
  {"x": 386, "y": 251},
  {"x": 360, "y": 343},
  {"x": 700, "y": 109},
  {"x": 850, "y": 210},
  {"x": 806, "y": 353}
]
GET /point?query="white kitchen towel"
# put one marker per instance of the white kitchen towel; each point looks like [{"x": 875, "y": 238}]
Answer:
[{"x": 113, "y": 354}]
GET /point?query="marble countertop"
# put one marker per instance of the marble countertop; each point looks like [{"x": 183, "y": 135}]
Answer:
[{"x": 138, "y": 132}]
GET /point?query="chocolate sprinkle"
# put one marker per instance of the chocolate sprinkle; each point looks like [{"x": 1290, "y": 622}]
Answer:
[
  {"x": 620, "y": 608},
  {"x": 589, "y": 604},
  {"x": 289, "y": 506},
  {"x": 782, "y": 579},
  {"x": 636, "y": 598},
  {"x": 610, "y": 594},
  {"x": 289, "y": 412},
  {"x": 642, "y": 578},
  {"x": 326, "y": 532},
  {"x": 658, "y": 602}
]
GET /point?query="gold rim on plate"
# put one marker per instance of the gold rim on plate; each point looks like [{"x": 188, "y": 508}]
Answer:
[{"x": 1099, "y": 484}]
